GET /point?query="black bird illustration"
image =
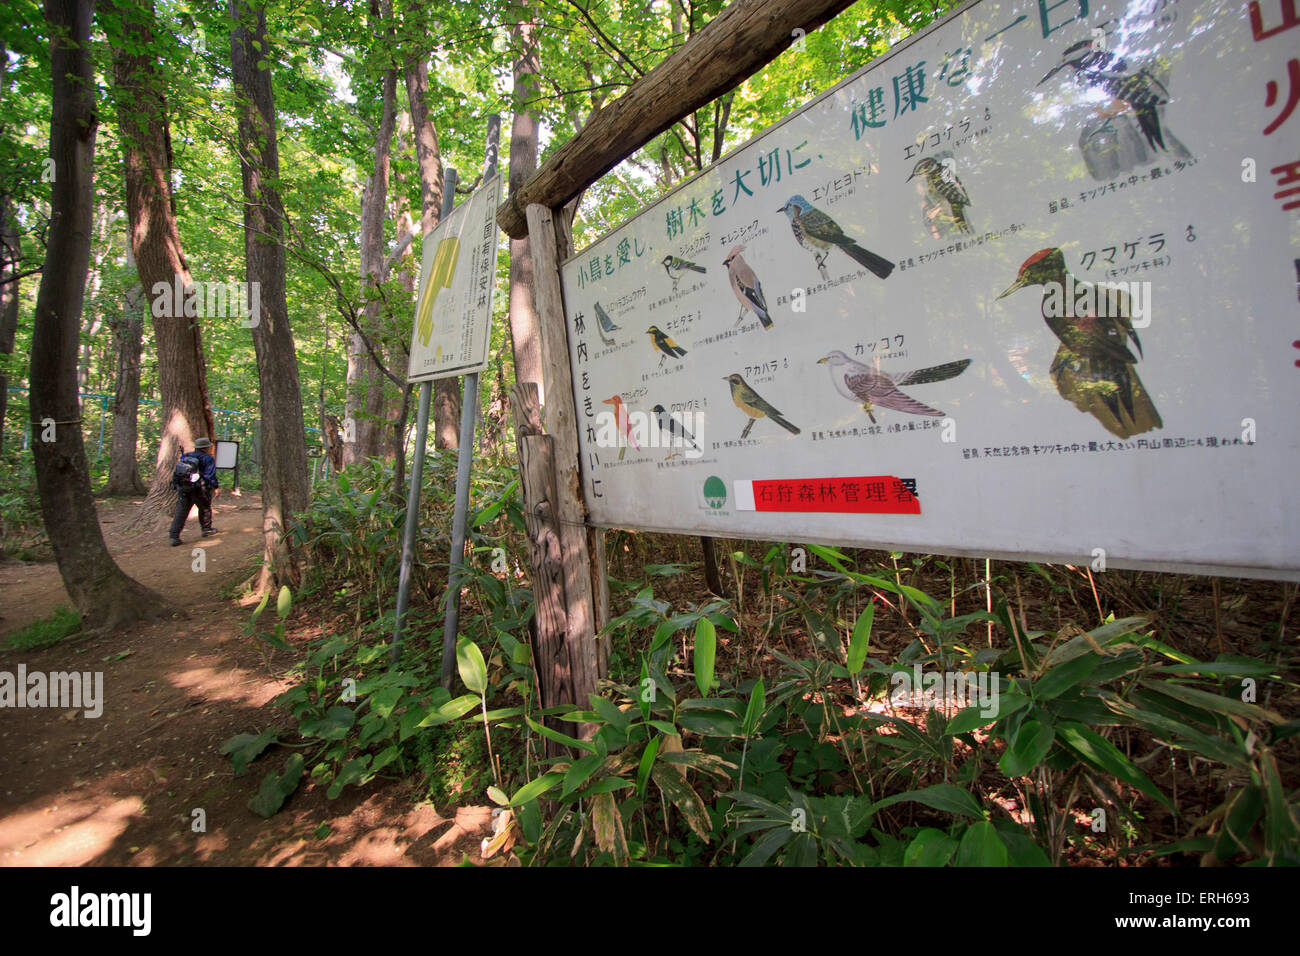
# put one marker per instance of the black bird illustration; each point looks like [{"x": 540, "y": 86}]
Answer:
[
  {"x": 666, "y": 346},
  {"x": 947, "y": 187},
  {"x": 606, "y": 324},
  {"x": 675, "y": 267},
  {"x": 1093, "y": 367},
  {"x": 748, "y": 290},
  {"x": 754, "y": 405},
  {"x": 1140, "y": 91},
  {"x": 818, "y": 232},
  {"x": 679, "y": 433}
]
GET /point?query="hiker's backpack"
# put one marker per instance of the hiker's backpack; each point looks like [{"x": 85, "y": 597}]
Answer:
[{"x": 187, "y": 473}]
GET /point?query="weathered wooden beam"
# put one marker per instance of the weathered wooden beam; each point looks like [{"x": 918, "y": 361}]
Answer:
[
  {"x": 561, "y": 422},
  {"x": 545, "y": 554},
  {"x": 600, "y": 579},
  {"x": 733, "y": 46}
]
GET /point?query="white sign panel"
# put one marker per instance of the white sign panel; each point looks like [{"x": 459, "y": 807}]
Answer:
[
  {"x": 1024, "y": 287},
  {"x": 227, "y": 455},
  {"x": 453, "y": 311}
]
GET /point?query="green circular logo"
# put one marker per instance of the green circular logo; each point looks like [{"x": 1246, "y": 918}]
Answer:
[{"x": 715, "y": 492}]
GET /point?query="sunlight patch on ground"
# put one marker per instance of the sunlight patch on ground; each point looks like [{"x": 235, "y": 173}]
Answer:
[
  {"x": 203, "y": 679},
  {"x": 71, "y": 834}
]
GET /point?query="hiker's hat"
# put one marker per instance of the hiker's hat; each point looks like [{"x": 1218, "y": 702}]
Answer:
[{"x": 202, "y": 443}]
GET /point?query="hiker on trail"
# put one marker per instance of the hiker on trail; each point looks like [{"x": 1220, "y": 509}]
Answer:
[{"x": 195, "y": 480}]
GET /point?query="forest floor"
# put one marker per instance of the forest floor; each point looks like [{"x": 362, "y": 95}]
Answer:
[{"x": 123, "y": 788}]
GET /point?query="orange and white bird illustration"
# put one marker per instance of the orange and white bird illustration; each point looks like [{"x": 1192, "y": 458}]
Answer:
[{"x": 624, "y": 425}]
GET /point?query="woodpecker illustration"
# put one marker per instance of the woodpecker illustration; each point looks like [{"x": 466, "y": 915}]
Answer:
[
  {"x": 624, "y": 425},
  {"x": 607, "y": 326},
  {"x": 818, "y": 232},
  {"x": 944, "y": 184},
  {"x": 876, "y": 389},
  {"x": 666, "y": 346},
  {"x": 754, "y": 405},
  {"x": 679, "y": 433},
  {"x": 1140, "y": 91},
  {"x": 746, "y": 287},
  {"x": 1093, "y": 367},
  {"x": 675, "y": 267}
]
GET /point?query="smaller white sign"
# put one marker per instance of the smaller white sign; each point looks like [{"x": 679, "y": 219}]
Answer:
[
  {"x": 453, "y": 310},
  {"x": 227, "y": 455}
]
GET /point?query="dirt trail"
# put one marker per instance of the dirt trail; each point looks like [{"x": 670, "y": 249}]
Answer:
[{"x": 122, "y": 788}]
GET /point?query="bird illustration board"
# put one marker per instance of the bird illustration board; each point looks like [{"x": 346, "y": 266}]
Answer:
[
  {"x": 874, "y": 389},
  {"x": 819, "y": 233},
  {"x": 1137, "y": 91},
  {"x": 666, "y": 347},
  {"x": 679, "y": 435},
  {"x": 944, "y": 187},
  {"x": 747, "y": 288},
  {"x": 675, "y": 267},
  {"x": 622, "y": 423},
  {"x": 606, "y": 325},
  {"x": 755, "y": 406},
  {"x": 1093, "y": 368}
]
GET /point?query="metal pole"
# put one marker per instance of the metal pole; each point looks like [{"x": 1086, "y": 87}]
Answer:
[
  {"x": 417, "y": 467},
  {"x": 464, "y": 456}
]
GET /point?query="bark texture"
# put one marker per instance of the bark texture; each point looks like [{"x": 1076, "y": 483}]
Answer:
[
  {"x": 128, "y": 329},
  {"x": 105, "y": 596},
  {"x": 183, "y": 406},
  {"x": 524, "y": 342},
  {"x": 284, "y": 447}
]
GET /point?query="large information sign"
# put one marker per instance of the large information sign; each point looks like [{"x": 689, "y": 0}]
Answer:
[
  {"x": 453, "y": 311},
  {"x": 1024, "y": 287}
]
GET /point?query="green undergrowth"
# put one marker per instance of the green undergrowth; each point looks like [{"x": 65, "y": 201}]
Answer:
[
  {"x": 770, "y": 729},
  {"x": 46, "y": 632}
]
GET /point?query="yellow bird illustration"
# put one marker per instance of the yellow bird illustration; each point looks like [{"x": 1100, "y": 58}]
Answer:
[{"x": 444, "y": 267}]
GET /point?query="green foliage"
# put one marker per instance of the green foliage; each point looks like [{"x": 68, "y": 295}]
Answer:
[{"x": 46, "y": 632}]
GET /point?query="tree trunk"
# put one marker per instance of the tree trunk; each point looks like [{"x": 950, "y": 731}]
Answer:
[
  {"x": 123, "y": 475},
  {"x": 365, "y": 384},
  {"x": 10, "y": 255},
  {"x": 446, "y": 391},
  {"x": 524, "y": 341},
  {"x": 408, "y": 277},
  {"x": 183, "y": 407},
  {"x": 105, "y": 596},
  {"x": 284, "y": 446}
]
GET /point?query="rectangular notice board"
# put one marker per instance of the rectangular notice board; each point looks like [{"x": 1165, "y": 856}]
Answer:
[
  {"x": 1024, "y": 287},
  {"x": 453, "y": 308}
]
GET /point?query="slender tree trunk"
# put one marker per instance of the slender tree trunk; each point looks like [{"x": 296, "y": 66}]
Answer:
[
  {"x": 284, "y": 447},
  {"x": 183, "y": 407},
  {"x": 446, "y": 391},
  {"x": 365, "y": 389},
  {"x": 123, "y": 474},
  {"x": 94, "y": 320},
  {"x": 408, "y": 278},
  {"x": 10, "y": 255},
  {"x": 105, "y": 596},
  {"x": 524, "y": 340}
]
